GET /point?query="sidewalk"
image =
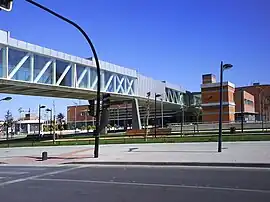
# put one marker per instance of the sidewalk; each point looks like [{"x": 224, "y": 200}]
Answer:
[{"x": 248, "y": 154}]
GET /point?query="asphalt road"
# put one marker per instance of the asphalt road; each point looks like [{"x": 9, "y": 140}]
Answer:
[{"x": 144, "y": 184}]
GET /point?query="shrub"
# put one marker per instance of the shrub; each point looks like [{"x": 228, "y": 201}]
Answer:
[{"x": 232, "y": 130}]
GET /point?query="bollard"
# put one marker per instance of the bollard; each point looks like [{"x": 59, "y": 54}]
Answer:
[{"x": 44, "y": 156}]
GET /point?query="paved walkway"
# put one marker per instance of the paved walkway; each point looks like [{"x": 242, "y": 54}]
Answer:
[{"x": 237, "y": 152}]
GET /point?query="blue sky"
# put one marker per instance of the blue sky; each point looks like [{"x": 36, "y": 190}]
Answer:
[{"x": 174, "y": 40}]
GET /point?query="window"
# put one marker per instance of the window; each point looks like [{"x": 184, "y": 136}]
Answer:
[{"x": 248, "y": 102}]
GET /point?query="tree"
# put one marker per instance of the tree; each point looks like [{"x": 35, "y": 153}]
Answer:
[
  {"x": 196, "y": 112},
  {"x": 9, "y": 118},
  {"x": 8, "y": 121},
  {"x": 60, "y": 119}
]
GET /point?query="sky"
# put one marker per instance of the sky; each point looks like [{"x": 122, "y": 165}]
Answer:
[{"x": 173, "y": 40}]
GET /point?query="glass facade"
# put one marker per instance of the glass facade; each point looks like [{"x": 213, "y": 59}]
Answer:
[
  {"x": 14, "y": 57},
  {"x": 24, "y": 60},
  {"x": 107, "y": 76},
  {"x": 60, "y": 68},
  {"x": 80, "y": 69},
  {"x": 39, "y": 63}
]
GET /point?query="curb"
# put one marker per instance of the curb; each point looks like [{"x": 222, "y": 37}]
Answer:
[{"x": 210, "y": 164}]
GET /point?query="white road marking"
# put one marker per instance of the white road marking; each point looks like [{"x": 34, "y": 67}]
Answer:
[
  {"x": 30, "y": 169},
  {"x": 12, "y": 173},
  {"x": 37, "y": 176},
  {"x": 154, "y": 185}
]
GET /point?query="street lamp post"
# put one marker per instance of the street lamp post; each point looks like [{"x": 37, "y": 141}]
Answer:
[
  {"x": 222, "y": 68},
  {"x": 162, "y": 117},
  {"x": 183, "y": 118},
  {"x": 85, "y": 120},
  {"x": 75, "y": 116},
  {"x": 126, "y": 121},
  {"x": 156, "y": 96},
  {"x": 118, "y": 121},
  {"x": 20, "y": 126},
  {"x": 96, "y": 131},
  {"x": 50, "y": 110},
  {"x": 39, "y": 125},
  {"x": 147, "y": 115},
  {"x": 242, "y": 111}
]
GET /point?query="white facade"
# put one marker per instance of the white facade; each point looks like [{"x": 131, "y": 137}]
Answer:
[{"x": 28, "y": 126}]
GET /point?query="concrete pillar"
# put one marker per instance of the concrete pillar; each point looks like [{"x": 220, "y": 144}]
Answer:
[
  {"x": 136, "y": 118},
  {"x": 28, "y": 128}
]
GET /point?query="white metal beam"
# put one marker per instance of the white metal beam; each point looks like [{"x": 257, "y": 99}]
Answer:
[
  {"x": 125, "y": 84},
  {"x": 74, "y": 76},
  {"x": 120, "y": 84},
  {"x": 166, "y": 95},
  {"x": 114, "y": 83},
  {"x": 5, "y": 62},
  {"x": 54, "y": 72},
  {"x": 43, "y": 71},
  {"x": 88, "y": 78},
  {"x": 63, "y": 75},
  {"x": 32, "y": 65},
  {"x": 94, "y": 83},
  {"x": 170, "y": 95},
  {"x": 81, "y": 77},
  {"x": 108, "y": 83},
  {"x": 130, "y": 86},
  {"x": 18, "y": 66},
  {"x": 174, "y": 96},
  {"x": 102, "y": 80}
]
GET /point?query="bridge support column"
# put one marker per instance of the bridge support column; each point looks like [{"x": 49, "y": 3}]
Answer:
[{"x": 136, "y": 118}]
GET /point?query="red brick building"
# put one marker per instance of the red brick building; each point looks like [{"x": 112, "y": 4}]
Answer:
[
  {"x": 244, "y": 102},
  {"x": 210, "y": 100},
  {"x": 249, "y": 100},
  {"x": 261, "y": 95}
]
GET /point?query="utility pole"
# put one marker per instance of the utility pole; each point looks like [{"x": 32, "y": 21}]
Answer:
[
  {"x": 183, "y": 118},
  {"x": 242, "y": 111},
  {"x": 222, "y": 68},
  {"x": 53, "y": 122},
  {"x": 162, "y": 121},
  {"x": 126, "y": 124},
  {"x": 75, "y": 116},
  {"x": 147, "y": 115}
]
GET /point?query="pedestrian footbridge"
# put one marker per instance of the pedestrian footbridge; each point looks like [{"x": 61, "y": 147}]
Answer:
[{"x": 30, "y": 69}]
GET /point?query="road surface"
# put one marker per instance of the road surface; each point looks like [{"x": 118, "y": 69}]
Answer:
[{"x": 144, "y": 184}]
